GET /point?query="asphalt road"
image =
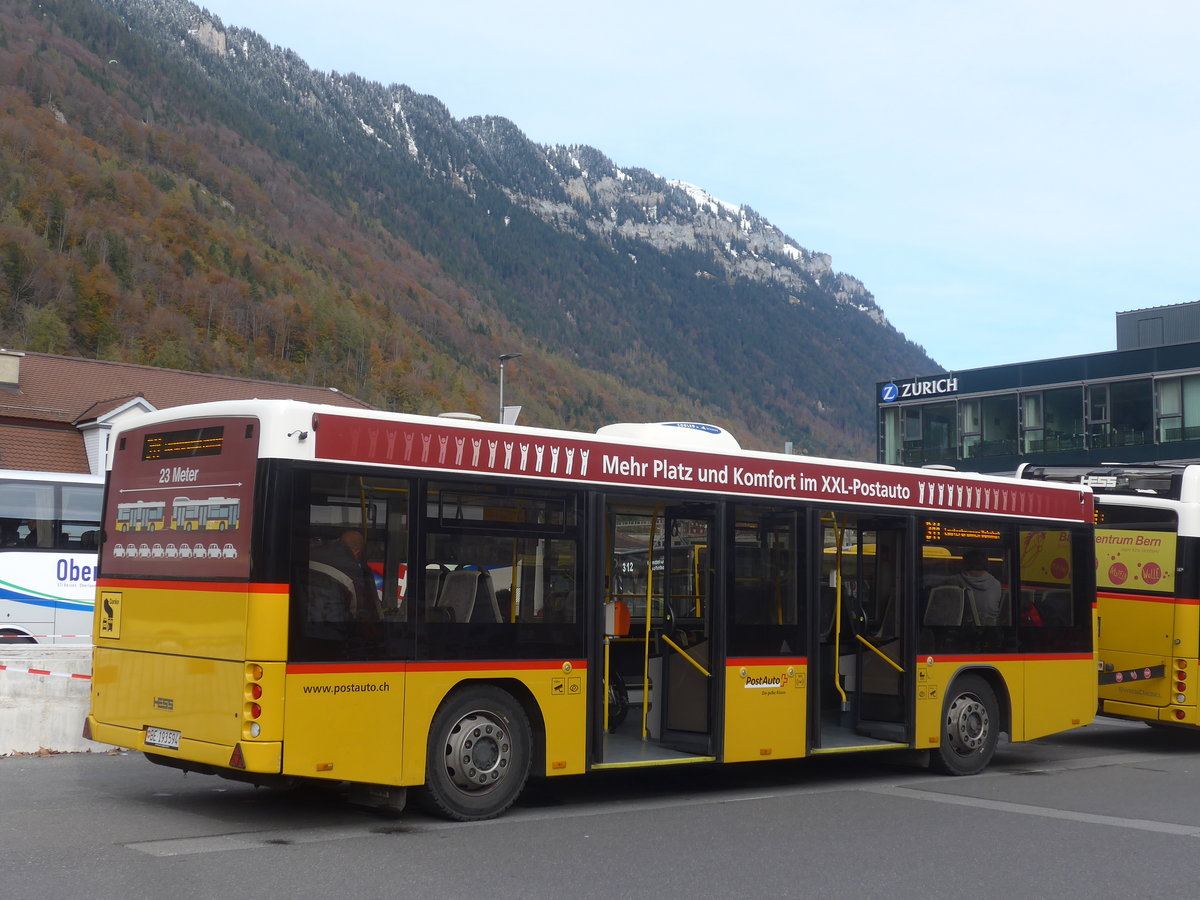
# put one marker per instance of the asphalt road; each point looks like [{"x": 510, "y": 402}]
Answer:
[{"x": 1109, "y": 810}]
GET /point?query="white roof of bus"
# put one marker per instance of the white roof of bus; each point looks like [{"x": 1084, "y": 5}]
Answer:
[
  {"x": 57, "y": 477},
  {"x": 284, "y": 421}
]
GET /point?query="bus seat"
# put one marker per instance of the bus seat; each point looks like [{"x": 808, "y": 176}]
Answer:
[
  {"x": 1004, "y": 617},
  {"x": 504, "y": 603},
  {"x": 457, "y": 596},
  {"x": 435, "y": 575},
  {"x": 972, "y": 606},
  {"x": 330, "y": 594},
  {"x": 489, "y": 609},
  {"x": 944, "y": 606}
]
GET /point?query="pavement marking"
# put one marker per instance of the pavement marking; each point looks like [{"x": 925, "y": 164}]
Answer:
[
  {"x": 1025, "y": 809},
  {"x": 1082, "y": 762},
  {"x": 877, "y": 784}
]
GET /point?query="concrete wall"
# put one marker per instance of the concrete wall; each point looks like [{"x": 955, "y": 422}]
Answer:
[{"x": 44, "y": 712}]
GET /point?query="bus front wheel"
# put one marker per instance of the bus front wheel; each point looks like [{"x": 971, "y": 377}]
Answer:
[
  {"x": 479, "y": 755},
  {"x": 970, "y": 727}
]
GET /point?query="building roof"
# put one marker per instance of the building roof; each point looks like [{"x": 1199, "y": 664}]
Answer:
[
  {"x": 41, "y": 449},
  {"x": 41, "y": 415}
]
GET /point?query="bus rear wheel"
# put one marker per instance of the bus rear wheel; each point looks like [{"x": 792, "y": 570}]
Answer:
[
  {"x": 9, "y": 636},
  {"x": 479, "y": 755},
  {"x": 970, "y": 728}
]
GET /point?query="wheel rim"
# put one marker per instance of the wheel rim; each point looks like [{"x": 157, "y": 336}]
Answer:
[
  {"x": 478, "y": 752},
  {"x": 967, "y": 724}
]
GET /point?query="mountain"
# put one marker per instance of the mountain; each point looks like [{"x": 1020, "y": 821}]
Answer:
[{"x": 179, "y": 192}]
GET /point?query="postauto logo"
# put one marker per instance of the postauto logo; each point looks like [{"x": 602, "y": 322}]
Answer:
[{"x": 923, "y": 387}]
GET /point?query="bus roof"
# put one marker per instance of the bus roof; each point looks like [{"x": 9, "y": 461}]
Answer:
[
  {"x": 650, "y": 458},
  {"x": 1171, "y": 481},
  {"x": 57, "y": 477}
]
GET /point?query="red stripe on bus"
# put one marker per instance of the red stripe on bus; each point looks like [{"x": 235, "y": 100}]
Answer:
[
  {"x": 767, "y": 661},
  {"x": 344, "y": 668},
  {"x": 1015, "y": 657},
  {"x": 464, "y": 666},
  {"x": 524, "y": 665},
  {"x": 238, "y": 587},
  {"x": 1150, "y": 598}
]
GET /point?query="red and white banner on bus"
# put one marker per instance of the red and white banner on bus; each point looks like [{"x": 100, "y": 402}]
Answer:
[{"x": 596, "y": 461}]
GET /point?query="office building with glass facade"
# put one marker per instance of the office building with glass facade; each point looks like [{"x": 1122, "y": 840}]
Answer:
[{"x": 1139, "y": 403}]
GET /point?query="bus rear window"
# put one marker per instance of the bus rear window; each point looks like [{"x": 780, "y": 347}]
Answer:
[{"x": 179, "y": 501}]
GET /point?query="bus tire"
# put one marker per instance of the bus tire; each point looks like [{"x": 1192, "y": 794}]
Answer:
[
  {"x": 479, "y": 755},
  {"x": 970, "y": 728},
  {"x": 11, "y": 636}
]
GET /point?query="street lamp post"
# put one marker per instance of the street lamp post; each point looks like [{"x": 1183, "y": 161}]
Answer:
[{"x": 503, "y": 358}]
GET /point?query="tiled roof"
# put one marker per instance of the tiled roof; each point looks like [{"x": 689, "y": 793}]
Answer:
[
  {"x": 42, "y": 450},
  {"x": 57, "y": 391}
]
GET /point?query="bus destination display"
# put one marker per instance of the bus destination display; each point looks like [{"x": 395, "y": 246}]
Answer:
[{"x": 185, "y": 444}]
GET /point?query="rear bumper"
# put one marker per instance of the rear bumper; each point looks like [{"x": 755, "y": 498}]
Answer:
[{"x": 264, "y": 757}]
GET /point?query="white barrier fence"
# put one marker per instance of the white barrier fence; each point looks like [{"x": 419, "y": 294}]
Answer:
[{"x": 44, "y": 696}]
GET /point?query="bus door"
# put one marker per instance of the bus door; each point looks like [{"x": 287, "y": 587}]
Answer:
[
  {"x": 861, "y": 686},
  {"x": 657, "y": 660}
]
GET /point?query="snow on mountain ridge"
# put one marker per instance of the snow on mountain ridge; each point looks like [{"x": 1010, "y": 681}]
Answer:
[{"x": 585, "y": 192}]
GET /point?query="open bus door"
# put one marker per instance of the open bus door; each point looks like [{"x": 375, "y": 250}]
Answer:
[
  {"x": 686, "y": 640},
  {"x": 657, "y": 679},
  {"x": 862, "y": 684}
]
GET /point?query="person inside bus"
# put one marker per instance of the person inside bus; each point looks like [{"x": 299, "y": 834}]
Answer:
[
  {"x": 985, "y": 587},
  {"x": 980, "y": 583},
  {"x": 346, "y": 555},
  {"x": 31, "y": 539},
  {"x": 9, "y": 537}
]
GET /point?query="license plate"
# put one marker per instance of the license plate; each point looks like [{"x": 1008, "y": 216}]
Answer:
[{"x": 162, "y": 737}]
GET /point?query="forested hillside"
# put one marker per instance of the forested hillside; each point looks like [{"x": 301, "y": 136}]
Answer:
[{"x": 177, "y": 193}]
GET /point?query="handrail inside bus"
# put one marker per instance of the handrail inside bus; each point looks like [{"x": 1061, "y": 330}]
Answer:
[
  {"x": 658, "y": 511},
  {"x": 703, "y": 671},
  {"x": 887, "y": 659},
  {"x": 837, "y": 612}
]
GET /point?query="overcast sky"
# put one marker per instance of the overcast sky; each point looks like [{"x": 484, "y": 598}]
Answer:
[{"x": 1003, "y": 177}]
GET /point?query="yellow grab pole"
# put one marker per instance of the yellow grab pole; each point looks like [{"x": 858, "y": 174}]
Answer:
[
  {"x": 646, "y": 642},
  {"x": 887, "y": 659},
  {"x": 837, "y": 615},
  {"x": 679, "y": 650}
]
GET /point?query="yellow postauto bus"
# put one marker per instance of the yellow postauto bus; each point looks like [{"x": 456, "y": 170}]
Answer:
[
  {"x": 1147, "y": 586},
  {"x": 455, "y": 606}
]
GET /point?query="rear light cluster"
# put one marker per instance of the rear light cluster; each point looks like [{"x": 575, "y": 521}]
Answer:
[
  {"x": 252, "y": 709},
  {"x": 1180, "y": 677}
]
